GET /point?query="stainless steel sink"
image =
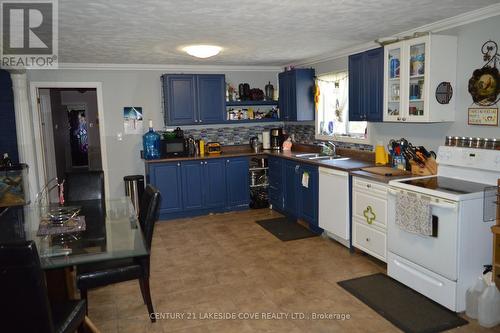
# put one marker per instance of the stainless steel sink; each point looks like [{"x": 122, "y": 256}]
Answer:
[
  {"x": 320, "y": 157},
  {"x": 309, "y": 155}
]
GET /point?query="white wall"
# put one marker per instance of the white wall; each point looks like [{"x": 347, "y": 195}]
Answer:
[
  {"x": 470, "y": 39},
  {"x": 133, "y": 88}
]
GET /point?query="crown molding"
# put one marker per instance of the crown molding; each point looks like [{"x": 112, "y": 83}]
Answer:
[
  {"x": 456, "y": 21},
  {"x": 340, "y": 54},
  {"x": 441, "y": 25},
  {"x": 176, "y": 68}
]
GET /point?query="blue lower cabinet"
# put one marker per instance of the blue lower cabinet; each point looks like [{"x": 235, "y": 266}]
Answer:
[
  {"x": 308, "y": 195},
  {"x": 192, "y": 184},
  {"x": 215, "y": 183},
  {"x": 237, "y": 182},
  {"x": 167, "y": 178},
  {"x": 202, "y": 186},
  {"x": 299, "y": 191},
  {"x": 290, "y": 171},
  {"x": 275, "y": 182}
]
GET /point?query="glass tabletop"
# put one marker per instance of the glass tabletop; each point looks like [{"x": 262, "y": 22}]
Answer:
[{"x": 111, "y": 231}]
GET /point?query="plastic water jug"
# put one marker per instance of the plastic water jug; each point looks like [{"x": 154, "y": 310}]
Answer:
[
  {"x": 489, "y": 306},
  {"x": 151, "y": 143},
  {"x": 472, "y": 297}
]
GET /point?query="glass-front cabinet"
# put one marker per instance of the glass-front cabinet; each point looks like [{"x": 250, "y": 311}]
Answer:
[
  {"x": 412, "y": 76},
  {"x": 392, "y": 93}
]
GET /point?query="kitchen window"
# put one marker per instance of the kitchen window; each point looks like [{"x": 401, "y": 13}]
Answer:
[{"x": 332, "y": 118}]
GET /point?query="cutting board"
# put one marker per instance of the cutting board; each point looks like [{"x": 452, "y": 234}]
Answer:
[{"x": 386, "y": 171}]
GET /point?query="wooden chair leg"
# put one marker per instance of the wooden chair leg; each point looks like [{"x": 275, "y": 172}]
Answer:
[
  {"x": 147, "y": 294},
  {"x": 143, "y": 293},
  {"x": 83, "y": 295}
]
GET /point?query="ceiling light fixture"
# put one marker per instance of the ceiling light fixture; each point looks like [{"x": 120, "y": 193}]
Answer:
[{"x": 202, "y": 51}]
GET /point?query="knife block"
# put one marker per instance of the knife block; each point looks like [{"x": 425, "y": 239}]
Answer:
[{"x": 429, "y": 169}]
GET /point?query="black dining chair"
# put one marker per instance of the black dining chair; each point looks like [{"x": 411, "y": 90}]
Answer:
[
  {"x": 84, "y": 185},
  {"x": 24, "y": 302},
  {"x": 113, "y": 271}
]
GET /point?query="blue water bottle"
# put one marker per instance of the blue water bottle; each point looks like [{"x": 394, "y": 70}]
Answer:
[{"x": 151, "y": 143}]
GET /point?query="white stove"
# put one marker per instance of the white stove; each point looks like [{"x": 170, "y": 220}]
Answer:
[{"x": 444, "y": 265}]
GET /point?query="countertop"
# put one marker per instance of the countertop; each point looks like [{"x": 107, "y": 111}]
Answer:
[
  {"x": 377, "y": 178},
  {"x": 353, "y": 163}
]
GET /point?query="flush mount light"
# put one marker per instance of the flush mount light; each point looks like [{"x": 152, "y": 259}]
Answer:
[{"x": 202, "y": 51}]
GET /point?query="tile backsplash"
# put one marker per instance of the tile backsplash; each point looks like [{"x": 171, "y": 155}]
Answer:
[
  {"x": 228, "y": 135},
  {"x": 241, "y": 134}
]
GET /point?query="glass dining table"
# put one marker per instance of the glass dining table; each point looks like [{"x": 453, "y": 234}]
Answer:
[{"x": 111, "y": 231}]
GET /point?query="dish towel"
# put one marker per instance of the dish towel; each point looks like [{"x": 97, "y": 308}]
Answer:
[{"x": 413, "y": 214}]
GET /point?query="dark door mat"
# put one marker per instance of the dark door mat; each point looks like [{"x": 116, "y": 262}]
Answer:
[
  {"x": 285, "y": 229},
  {"x": 407, "y": 309}
]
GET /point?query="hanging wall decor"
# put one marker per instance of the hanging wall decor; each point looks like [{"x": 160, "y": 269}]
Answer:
[{"x": 484, "y": 85}]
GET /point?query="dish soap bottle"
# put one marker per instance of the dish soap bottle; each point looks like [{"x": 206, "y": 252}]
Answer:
[{"x": 151, "y": 143}]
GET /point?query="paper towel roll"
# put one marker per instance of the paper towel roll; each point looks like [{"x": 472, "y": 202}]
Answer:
[{"x": 266, "y": 140}]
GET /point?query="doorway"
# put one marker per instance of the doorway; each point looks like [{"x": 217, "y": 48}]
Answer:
[{"x": 70, "y": 132}]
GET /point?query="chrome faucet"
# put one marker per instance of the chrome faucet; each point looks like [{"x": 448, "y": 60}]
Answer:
[{"x": 329, "y": 148}]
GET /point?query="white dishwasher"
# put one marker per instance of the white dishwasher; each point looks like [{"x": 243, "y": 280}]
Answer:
[{"x": 334, "y": 204}]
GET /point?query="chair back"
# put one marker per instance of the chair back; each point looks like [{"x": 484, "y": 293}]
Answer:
[
  {"x": 84, "y": 185},
  {"x": 149, "y": 212},
  {"x": 24, "y": 301}
]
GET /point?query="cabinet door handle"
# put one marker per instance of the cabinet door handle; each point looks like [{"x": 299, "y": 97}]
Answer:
[
  {"x": 369, "y": 214},
  {"x": 201, "y": 163},
  {"x": 200, "y": 120},
  {"x": 205, "y": 163},
  {"x": 367, "y": 239},
  {"x": 227, "y": 161},
  {"x": 178, "y": 164},
  {"x": 368, "y": 185},
  {"x": 196, "y": 120},
  {"x": 404, "y": 118},
  {"x": 297, "y": 168},
  {"x": 399, "y": 118}
]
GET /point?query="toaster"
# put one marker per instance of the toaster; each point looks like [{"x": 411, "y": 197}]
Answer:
[{"x": 213, "y": 148}]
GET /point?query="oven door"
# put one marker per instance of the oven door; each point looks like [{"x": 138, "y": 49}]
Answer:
[{"x": 437, "y": 253}]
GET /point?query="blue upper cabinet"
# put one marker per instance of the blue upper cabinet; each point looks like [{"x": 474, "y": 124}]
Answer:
[
  {"x": 356, "y": 93},
  {"x": 179, "y": 92},
  {"x": 167, "y": 178},
  {"x": 211, "y": 98},
  {"x": 366, "y": 85},
  {"x": 296, "y": 88},
  {"x": 237, "y": 182},
  {"x": 193, "y": 99}
]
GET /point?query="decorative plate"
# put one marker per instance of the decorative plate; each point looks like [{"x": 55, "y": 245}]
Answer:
[
  {"x": 444, "y": 93},
  {"x": 484, "y": 86}
]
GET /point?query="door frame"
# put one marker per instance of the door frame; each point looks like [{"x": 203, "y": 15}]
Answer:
[{"x": 37, "y": 125}]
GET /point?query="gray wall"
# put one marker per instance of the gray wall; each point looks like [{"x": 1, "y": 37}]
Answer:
[
  {"x": 133, "y": 88},
  {"x": 470, "y": 39}
]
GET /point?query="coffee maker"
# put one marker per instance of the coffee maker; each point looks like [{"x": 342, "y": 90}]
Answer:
[{"x": 276, "y": 138}]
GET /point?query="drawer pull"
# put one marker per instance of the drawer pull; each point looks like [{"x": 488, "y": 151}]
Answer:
[
  {"x": 369, "y": 214},
  {"x": 368, "y": 185},
  {"x": 367, "y": 239}
]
